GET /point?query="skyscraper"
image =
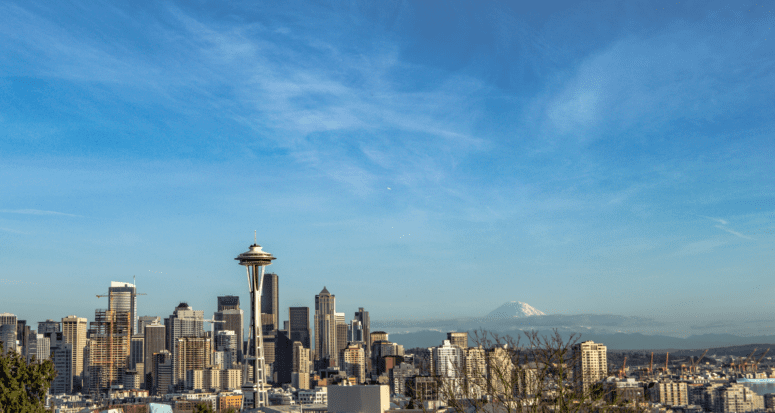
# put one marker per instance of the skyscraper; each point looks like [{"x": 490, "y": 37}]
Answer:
[
  {"x": 163, "y": 372},
  {"x": 270, "y": 315},
  {"x": 354, "y": 363},
  {"x": 270, "y": 303},
  {"x": 363, "y": 318},
  {"x": 123, "y": 297},
  {"x": 300, "y": 371},
  {"x": 8, "y": 332},
  {"x": 447, "y": 364},
  {"x": 590, "y": 364},
  {"x": 144, "y": 321},
  {"x": 108, "y": 346},
  {"x": 155, "y": 341},
  {"x": 341, "y": 336},
  {"x": 191, "y": 353},
  {"x": 325, "y": 327},
  {"x": 22, "y": 335},
  {"x": 74, "y": 329},
  {"x": 61, "y": 354},
  {"x": 298, "y": 318},
  {"x": 184, "y": 322},
  {"x": 49, "y": 326},
  {"x": 226, "y": 341},
  {"x": 228, "y": 302},
  {"x": 234, "y": 319}
]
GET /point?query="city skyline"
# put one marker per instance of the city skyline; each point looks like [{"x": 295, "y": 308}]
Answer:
[{"x": 583, "y": 158}]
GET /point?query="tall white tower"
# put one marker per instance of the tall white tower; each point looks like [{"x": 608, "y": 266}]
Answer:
[{"x": 254, "y": 260}]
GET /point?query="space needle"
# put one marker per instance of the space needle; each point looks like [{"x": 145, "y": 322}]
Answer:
[{"x": 253, "y": 391}]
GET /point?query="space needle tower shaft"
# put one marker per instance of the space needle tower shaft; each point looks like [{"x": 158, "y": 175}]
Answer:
[{"x": 254, "y": 260}]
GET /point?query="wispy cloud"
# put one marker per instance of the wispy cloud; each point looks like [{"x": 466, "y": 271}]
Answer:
[
  {"x": 13, "y": 231},
  {"x": 719, "y": 220},
  {"x": 733, "y": 232},
  {"x": 37, "y": 212}
]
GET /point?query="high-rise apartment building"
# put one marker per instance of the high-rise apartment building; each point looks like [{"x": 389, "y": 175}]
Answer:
[
  {"x": 354, "y": 362},
  {"x": 154, "y": 342},
  {"x": 447, "y": 363},
  {"x": 42, "y": 347},
  {"x": 458, "y": 339},
  {"x": 123, "y": 297},
  {"x": 108, "y": 348},
  {"x": 61, "y": 354},
  {"x": 590, "y": 364},
  {"x": 74, "y": 330},
  {"x": 184, "y": 322},
  {"x": 476, "y": 371},
  {"x": 325, "y": 327},
  {"x": 233, "y": 317},
  {"x": 227, "y": 342},
  {"x": 298, "y": 325},
  {"x": 300, "y": 370},
  {"x": 270, "y": 303},
  {"x": 378, "y": 336},
  {"x": 191, "y": 353},
  {"x": 365, "y": 325}
]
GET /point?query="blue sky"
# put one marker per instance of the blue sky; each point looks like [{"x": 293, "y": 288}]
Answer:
[{"x": 420, "y": 159}]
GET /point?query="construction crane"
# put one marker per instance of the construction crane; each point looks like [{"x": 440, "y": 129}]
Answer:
[
  {"x": 213, "y": 321},
  {"x": 756, "y": 364},
  {"x": 697, "y": 362},
  {"x": 624, "y": 364},
  {"x": 744, "y": 366},
  {"x": 651, "y": 365}
]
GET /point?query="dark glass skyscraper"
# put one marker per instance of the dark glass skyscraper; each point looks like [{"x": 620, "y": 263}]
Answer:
[
  {"x": 270, "y": 303},
  {"x": 228, "y": 302},
  {"x": 298, "y": 318},
  {"x": 229, "y": 311},
  {"x": 363, "y": 317}
]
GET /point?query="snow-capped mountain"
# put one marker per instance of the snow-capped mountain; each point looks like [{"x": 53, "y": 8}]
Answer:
[{"x": 515, "y": 309}]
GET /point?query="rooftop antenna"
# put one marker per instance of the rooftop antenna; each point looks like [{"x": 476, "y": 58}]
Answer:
[{"x": 254, "y": 237}]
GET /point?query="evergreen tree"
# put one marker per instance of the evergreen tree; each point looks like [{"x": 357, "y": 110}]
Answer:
[{"x": 23, "y": 386}]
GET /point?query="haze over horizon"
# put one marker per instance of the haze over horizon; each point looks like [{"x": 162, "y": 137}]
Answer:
[{"x": 419, "y": 159}]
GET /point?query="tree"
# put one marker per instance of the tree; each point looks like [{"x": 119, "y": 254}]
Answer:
[
  {"x": 203, "y": 408},
  {"x": 23, "y": 386},
  {"x": 533, "y": 373}
]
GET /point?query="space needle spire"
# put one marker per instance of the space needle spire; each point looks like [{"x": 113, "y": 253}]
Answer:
[{"x": 253, "y": 391}]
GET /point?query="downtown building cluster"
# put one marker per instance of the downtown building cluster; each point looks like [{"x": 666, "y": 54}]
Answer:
[{"x": 122, "y": 357}]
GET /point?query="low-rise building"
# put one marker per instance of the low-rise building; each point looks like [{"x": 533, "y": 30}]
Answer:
[{"x": 361, "y": 399}]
